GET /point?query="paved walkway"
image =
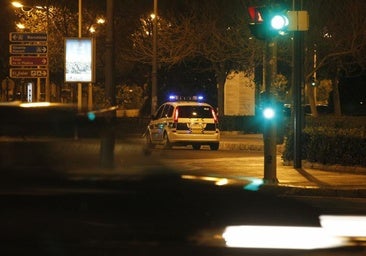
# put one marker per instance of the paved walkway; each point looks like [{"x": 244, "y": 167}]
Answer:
[{"x": 312, "y": 178}]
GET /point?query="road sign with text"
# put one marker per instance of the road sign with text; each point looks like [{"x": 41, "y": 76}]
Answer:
[
  {"x": 28, "y": 72},
  {"x": 28, "y": 60},
  {"x": 27, "y": 37},
  {"x": 27, "y": 49}
]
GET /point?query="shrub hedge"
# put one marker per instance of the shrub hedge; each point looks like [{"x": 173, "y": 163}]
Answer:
[{"x": 331, "y": 141}]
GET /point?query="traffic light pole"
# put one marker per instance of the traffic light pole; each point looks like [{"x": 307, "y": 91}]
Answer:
[
  {"x": 299, "y": 24},
  {"x": 297, "y": 96},
  {"x": 269, "y": 129}
]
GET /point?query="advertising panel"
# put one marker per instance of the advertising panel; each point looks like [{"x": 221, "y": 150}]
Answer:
[{"x": 79, "y": 60}]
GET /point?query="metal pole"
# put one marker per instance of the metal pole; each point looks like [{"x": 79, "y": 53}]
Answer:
[
  {"x": 38, "y": 89},
  {"x": 298, "y": 85},
  {"x": 154, "y": 97},
  {"x": 90, "y": 96},
  {"x": 80, "y": 86},
  {"x": 47, "y": 89},
  {"x": 108, "y": 130},
  {"x": 269, "y": 131}
]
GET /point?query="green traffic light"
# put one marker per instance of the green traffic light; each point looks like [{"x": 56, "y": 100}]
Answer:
[
  {"x": 269, "y": 113},
  {"x": 279, "y": 22}
]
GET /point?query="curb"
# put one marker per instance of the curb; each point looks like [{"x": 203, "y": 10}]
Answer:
[
  {"x": 285, "y": 190},
  {"x": 336, "y": 168}
]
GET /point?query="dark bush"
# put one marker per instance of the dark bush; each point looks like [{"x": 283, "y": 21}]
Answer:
[{"x": 333, "y": 141}]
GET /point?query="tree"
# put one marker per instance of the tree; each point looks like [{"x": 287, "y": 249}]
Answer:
[
  {"x": 6, "y": 20},
  {"x": 339, "y": 36},
  {"x": 213, "y": 31},
  {"x": 225, "y": 41}
]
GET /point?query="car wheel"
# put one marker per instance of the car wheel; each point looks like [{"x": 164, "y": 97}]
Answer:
[
  {"x": 166, "y": 142},
  {"x": 214, "y": 146},
  {"x": 196, "y": 146}
]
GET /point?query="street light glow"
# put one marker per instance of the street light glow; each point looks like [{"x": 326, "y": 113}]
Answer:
[
  {"x": 17, "y": 4},
  {"x": 20, "y": 26},
  {"x": 100, "y": 20},
  {"x": 92, "y": 29}
]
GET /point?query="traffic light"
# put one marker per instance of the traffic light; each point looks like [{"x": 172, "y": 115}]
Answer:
[
  {"x": 269, "y": 112},
  {"x": 279, "y": 22},
  {"x": 270, "y": 109},
  {"x": 266, "y": 22},
  {"x": 257, "y": 26}
]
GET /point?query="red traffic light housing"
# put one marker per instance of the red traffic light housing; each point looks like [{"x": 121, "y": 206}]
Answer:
[
  {"x": 257, "y": 25},
  {"x": 256, "y": 14},
  {"x": 266, "y": 23}
]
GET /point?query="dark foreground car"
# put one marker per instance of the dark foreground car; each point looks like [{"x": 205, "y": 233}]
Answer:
[
  {"x": 56, "y": 200},
  {"x": 155, "y": 214}
]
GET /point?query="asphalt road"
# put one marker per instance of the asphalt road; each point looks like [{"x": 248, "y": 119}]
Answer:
[
  {"x": 245, "y": 166},
  {"x": 25, "y": 159}
]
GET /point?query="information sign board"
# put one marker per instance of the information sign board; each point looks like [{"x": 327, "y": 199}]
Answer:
[
  {"x": 28, "y": 72},
  {"x": 28, "y": 60},
  {"x": 27, "y": 37},
  {"x": 28, "y": 49}
]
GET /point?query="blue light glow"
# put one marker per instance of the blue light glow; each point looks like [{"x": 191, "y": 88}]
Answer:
[
  {"x": 254, "y": 185},
  {"x": 173, "y": 97},
  {"x": 91, "y": 116}
]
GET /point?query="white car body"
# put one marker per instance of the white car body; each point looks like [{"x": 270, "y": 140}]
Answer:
[{"x": 184, "y": 123}]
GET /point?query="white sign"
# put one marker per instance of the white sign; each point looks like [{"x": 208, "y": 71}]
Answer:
[
  {"x": 29, "y": 92},
  {"x": 298, "y": 21},
  {"x": 239, "y": 94},
  {"x": 79, "y": 60}
]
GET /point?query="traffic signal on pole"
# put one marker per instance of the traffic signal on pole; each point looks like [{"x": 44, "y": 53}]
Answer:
[
  {"x": 268, "y": 106},
  {"x": 257, "y": 25},
  {"x": 266, "y": 23}
]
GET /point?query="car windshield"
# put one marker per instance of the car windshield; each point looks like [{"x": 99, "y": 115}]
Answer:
[{"x": 98, "y": 158}]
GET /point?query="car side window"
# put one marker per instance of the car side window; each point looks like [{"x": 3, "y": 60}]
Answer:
[
  {"x": 159, "y": 112},
  {"x": 168, "y": 111}
]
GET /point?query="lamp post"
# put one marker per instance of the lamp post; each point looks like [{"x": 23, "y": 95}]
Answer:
[
  {"x": 93, "y": 30},
  {"x": 108, "y": 134},
  {"x": 80, "y": 86},
  {"x": 154, "y": 97}
]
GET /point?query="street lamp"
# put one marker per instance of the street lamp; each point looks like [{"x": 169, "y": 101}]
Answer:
[
  {"x": 20, "y": 26},
  {"x": 154, "y": 97},
  {"x": 92, "y": 29},
  {"x": 22, "y": 7}
]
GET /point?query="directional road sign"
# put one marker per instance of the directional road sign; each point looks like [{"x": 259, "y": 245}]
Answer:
[
  {"x": 27, "y": 37},
  {"x": 28, "y": 60},
  {"x": 28, "y": 72},
  {"x": 27, "y": 49}
]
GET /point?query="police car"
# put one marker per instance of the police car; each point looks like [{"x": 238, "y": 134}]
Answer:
[{"x": 184, "y": 122}]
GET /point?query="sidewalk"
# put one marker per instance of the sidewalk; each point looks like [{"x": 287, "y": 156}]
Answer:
[{"x": 311, "y": 179}]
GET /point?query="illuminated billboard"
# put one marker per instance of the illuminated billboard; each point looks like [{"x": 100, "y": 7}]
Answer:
[{"x": 79, "y": 60}]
